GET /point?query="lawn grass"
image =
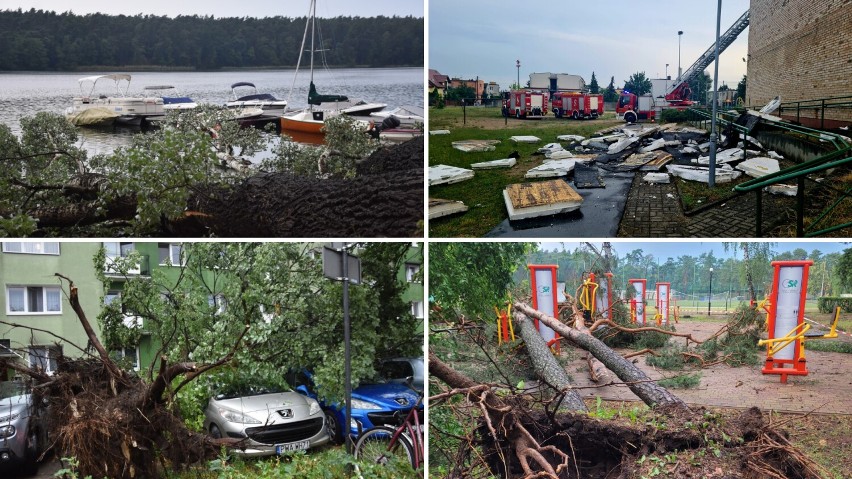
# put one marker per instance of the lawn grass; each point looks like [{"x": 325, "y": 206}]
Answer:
[{"x": 484, "y": 193}]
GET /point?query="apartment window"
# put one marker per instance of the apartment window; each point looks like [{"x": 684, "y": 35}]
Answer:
[
  {"x": 118, "y": 250},
  {"x": 417, "y": 309},
  {"x": 170, "y": 253},
  {"x": 411, "y": 270},
  {"x": 31, "y": 247},
  {"x": 33, "y": 300},
  {"x": 128, "y": 357},
  {"x": 43, "y": 358}
]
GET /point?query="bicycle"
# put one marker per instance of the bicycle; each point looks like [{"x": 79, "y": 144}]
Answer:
[{"x": 385, "y": 444}]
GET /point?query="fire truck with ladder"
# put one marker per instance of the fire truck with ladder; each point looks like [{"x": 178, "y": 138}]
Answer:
[
  {"x": 526, "y": 104},
  {"x": 634, "y": 107}
]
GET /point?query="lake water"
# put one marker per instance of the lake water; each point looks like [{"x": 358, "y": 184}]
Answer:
[{"x": 25, "y": 94}]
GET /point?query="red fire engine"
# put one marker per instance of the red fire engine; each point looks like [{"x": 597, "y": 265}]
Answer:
[
  {"x": 526, "y": 104},
  {"x": 577, "y": 105}
]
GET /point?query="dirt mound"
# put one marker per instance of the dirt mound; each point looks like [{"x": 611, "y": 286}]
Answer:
[{"x": 385, "y": 200}]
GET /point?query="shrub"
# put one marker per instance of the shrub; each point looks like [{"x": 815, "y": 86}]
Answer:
[
  {"x": 831, "y": 346},
  {"x": 827, "y": 304},
  {"x": 670, "y": 115}
]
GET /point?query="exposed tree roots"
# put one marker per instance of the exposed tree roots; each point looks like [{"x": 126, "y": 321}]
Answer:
[{"x": 105, "y": 424}]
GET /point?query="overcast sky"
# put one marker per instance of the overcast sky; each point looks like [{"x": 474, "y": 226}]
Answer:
[
  {"x": 663, "y": 250},
  {"x": 610, "y": 37},
  {"x": 229, "y": 8}
]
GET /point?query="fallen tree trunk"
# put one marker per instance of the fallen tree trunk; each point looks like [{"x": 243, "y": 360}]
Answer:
[
  {"x": 642, "y": 386},
  {"x": 550, "y": 371}
]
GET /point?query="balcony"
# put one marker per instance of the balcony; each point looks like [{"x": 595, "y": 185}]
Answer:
[{"x": 112, "y": 266}]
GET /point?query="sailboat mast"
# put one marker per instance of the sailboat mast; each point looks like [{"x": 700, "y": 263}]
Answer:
[{"x": 313, "y": 26}]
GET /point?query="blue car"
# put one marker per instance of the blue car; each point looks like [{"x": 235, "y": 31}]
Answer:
[{"x": 373, "y": 404}]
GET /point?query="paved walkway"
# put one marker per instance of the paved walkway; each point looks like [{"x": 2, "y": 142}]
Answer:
[
  {"x": 826, "y": 389},
  {"x": 655, "y": 211}
]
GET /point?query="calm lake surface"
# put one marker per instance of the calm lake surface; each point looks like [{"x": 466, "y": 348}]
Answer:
[{"x": 25, "y": 94}]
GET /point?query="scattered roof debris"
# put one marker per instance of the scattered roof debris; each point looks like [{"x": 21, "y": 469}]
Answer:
[
  {"x": 487, "y": 165},
  {"x": 525, "y": 139},
  {"x": 530, "y": 200},
  {"x": 475, "y": 145},
  {"x": 439, "y": 208},
  {"x": 447, "y": 175}
]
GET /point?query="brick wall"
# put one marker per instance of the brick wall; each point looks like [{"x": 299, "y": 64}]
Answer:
[{"x": 801, "y": 50}]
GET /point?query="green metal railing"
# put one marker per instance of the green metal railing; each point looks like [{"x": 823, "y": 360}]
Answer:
[
  {"x": 841, "y": 156},
  {"x": 818, "y": 106}
]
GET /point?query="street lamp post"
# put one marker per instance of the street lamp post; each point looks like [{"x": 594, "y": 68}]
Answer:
[
  {"x": 710, "y": 298},
  {"x": 694, "y": 294},
  {"x": 679, "y": 34},
  {"x": 518, "y": 66}
]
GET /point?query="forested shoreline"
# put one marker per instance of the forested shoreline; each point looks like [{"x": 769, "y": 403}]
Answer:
[{"x": 38, "y": 40}]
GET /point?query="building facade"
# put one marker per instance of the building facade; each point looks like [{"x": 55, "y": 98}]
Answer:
[
  {"x": 800, "y": 50},
  {"x": 34, "y": 297}
]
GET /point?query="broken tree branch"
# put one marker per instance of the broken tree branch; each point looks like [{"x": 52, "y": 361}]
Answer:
[
  {"x": 74, "y": 300},
  {"x": 496, "y": 411}
]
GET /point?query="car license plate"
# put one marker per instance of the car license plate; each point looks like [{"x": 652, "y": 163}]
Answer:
[{"x": 293, "y": 446}]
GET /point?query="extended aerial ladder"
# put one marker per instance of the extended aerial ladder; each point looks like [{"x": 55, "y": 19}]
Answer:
[{"x": 679, "y": 92}]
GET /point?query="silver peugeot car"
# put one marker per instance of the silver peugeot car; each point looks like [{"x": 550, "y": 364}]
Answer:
[{"x": 266, "y": 420}]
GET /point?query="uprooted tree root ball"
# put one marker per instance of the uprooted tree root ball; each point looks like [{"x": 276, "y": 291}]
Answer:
[
  {"x": 103, "y": 422},
  {"x": 385, "y": 199},
  {"x": 675, "y": 444}
]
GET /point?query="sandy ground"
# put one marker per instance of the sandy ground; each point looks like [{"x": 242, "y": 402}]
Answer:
[{"x": 826, "y": 389}]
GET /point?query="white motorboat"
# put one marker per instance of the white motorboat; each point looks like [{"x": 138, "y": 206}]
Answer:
[
  {"x": 172, "y": 99},
  {"x": 265, "y": 101},
  {"x": 122, "y": 108},
  {"x": 407, "y": 115}
]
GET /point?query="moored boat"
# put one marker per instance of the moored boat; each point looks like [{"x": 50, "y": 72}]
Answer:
[
  {"x": 407, "y": 115},
  {"x": 172, "y": 99},
  {"x": 265, "y": 101},
  {"x": 321, "y": 107},
  {"x": 126, "y": 109}
]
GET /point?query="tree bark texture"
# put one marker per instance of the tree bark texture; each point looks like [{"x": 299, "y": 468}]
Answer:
[
  {"x": 546, "y": 365},
  {"x": 642, "y": 386}
]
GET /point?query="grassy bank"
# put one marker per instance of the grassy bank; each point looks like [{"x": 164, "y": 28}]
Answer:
[{"x": 484, "y": 193}]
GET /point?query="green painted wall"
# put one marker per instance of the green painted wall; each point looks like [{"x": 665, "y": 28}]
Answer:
[
  {"x": 20, "y": 269},
  {"x": 414, "y": 292}
]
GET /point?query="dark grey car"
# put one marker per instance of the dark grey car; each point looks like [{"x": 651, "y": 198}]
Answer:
[{"x": 22, "y": 433}]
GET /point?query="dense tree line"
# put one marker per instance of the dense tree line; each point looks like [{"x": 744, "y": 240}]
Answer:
[
  {"x": 690, "y": 275},
  {"x": 45, "y": 40}
]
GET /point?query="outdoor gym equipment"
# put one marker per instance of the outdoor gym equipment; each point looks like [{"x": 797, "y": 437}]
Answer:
[
  {"x": 637, "y": 304},
  {"x": 663, "y": 299},
  {"x": 604, "y": 299},
  {"x": 505, "y": 330},
  {"x": 785, "y": 320},
  {"x": 588, "y": 297},
  {"x": 543, "y": 282},
  {"x": 596, "y": 297}
]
